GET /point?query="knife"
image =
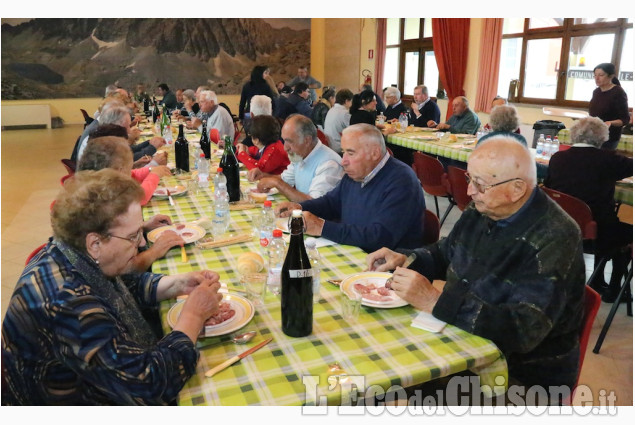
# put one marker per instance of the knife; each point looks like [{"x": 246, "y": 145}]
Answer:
[
  {"x": 234, "y": 359},
  {"x": 411, "y": 258},
  {"x": 169, "y": 196}
]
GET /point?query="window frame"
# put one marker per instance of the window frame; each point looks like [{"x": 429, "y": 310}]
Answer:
[
  {"x": 420, "y": 45},
  {"x": 566, "y": 32}
]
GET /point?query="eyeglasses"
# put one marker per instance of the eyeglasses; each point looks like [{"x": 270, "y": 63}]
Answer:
[
  {"x": 132, "y": 239},
  {"x": 484, "y": 188}
]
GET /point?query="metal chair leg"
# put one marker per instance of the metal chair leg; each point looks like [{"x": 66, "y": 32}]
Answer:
[
  {"x": 436, "y": 204},
  {"x": 445, "y": 215},
  {"x": 616, "y": 304}
]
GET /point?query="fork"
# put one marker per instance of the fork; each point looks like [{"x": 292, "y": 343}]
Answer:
[{"x": 406, "y": 263}]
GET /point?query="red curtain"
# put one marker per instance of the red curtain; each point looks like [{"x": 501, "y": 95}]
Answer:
[
  {"x": 381, "y": 54},
  {"x": 488, "y": 65},
  {"x": 450, "y": 40}
]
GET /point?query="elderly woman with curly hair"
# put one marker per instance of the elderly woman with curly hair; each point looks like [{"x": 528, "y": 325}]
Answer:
[
  {"x": 74, "y": 333},
  {"x": 589, "y": 173},
  {"x": 504, "y": 121}
]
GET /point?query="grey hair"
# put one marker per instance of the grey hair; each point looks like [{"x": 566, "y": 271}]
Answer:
[
  {"x": 260, "y": 105},
  {"x": 424, "y": 89},
  {"x": 190, "y": 94},
  {"x": 589, "y": 130},
  {"x": 208, "y": 95},
  {"x": 303, "y": 127},
  {"x": 113, "y": 113},
  {"x": 368, "y": 134},
  {"x": 392, "y": 91},
  {"x": 504, "y": 118},
  {"x": 110, "y": 89},
  {"x": 466, "y": 102}
]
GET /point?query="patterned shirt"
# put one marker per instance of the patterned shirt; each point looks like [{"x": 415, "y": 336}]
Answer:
[{"x": 64, "y": 345}]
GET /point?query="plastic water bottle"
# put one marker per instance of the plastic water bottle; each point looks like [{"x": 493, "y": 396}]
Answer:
[
  {"x": 167, "y": 134},
  {"x": 203, "y": 170},
  {"x": 267, "y": 224},
  {"x": 547, "y": 150},
  {"x": 277, "y": 253},
  {"x": 381, "y": 119},
  {"x": 314, "y": 258},
  {"x": 540, "y": 147},
  {"x": 403, "y": 121},
  {"x": 220, "y": 221},
  {"x": 555, "y": 146}
]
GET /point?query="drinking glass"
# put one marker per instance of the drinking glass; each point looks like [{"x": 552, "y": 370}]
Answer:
[
  {"x": 255, "y": 286},
  {"x": 350, "y": 303}
]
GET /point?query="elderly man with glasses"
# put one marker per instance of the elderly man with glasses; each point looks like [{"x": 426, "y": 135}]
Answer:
[{"x": 513, "y": 268}]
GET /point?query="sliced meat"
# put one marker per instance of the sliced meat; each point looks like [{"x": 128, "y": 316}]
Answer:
[
  {"x": 180, "y": 226},
  {"x": 377, "y": 297},
  {"x": 187, "y": 234},
  {"x": 225, "y": 313},
  {"x": 384, "y": 291},
  {"x": 362, "y": 289}
]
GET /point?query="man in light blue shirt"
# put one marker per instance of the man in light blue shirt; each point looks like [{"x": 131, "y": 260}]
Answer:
[{"x": 315, "y": 169}]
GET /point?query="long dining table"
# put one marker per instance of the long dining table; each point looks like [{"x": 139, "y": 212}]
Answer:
[
  {"x": 461, "y": 149},
  {"x": 380, "y": 347}
]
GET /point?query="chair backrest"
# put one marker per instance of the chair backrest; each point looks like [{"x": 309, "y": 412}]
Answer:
[
  {"x": 87, "y": 118},
  {"x": 592, "y": 303},
  {"x": 69, "y": 165},
  {"x": 458, "y": 187},
  {"x": 34, "y": 253},
  {"x": 431, "y": 174},
  {"x": 323, "y": 137},
  {"x": 577, "y": 209},
  {"x": 431, "y": 227}
]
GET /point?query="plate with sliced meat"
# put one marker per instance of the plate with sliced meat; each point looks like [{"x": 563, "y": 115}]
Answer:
[
  {"x": 372, "y": 286},
  {"x": 234, "y": 313},
  {"x": 188, "y": 231}
]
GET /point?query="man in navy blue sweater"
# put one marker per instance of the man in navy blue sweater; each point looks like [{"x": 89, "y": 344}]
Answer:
[{"x": 379, "y": 202}]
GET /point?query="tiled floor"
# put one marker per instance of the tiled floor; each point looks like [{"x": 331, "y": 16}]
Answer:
[{"x": 31, "y": 171}]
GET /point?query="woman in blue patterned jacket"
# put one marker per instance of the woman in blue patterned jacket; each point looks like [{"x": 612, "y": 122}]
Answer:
[{"x": 74, "y": 332}]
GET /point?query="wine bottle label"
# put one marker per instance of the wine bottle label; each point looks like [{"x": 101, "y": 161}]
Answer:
[{"x": 301, "y": 273}]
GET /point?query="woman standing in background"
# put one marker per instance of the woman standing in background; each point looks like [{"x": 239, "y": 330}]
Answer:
[{"x": 609, "y": 103}]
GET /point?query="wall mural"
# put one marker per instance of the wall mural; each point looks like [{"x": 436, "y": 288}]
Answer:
[{"x": 74, "y": 58}]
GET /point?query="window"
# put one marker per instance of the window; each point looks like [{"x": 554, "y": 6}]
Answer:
[
  {"x": 410, "y": 57},
  {"x": 550, "y": 61}
]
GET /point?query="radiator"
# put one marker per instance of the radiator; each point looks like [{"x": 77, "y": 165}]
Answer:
[{"x": 26, "y": 116}]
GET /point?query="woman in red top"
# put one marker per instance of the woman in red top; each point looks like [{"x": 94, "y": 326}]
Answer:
[{"x": 268, "y": 152}]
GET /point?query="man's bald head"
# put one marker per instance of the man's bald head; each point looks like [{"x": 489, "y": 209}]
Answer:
[{"x": 503, "y": 177}]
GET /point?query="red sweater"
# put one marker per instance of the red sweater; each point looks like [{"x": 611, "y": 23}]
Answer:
[
  {"x": 274, "y": 159},
  {"x": 149, "y": 182}
]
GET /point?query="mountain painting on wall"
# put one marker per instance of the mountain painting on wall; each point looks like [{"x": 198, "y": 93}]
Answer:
[{"x": 74, "y": 58}]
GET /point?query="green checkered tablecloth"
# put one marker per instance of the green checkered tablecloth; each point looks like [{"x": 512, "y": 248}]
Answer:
[
  {"x": 625, "y": 144},
  {"x": 624, "y": 193},
  {"x": 380, "y": 346},
  {"x": 446, "y": 149}
]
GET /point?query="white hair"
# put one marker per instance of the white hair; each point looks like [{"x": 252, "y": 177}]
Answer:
[
  {"x": 113, "y": 113},
  {"x": 392, "y": 91},
  {"x": 208, "y": 95},
  {"x": 369, "y": 134},
  {"x": 260, "y": 105}
]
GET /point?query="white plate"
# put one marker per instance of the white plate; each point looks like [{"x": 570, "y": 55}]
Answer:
[
  {"x": 271, "y": 191},
  {"x": 425, "y": 137},
  {"x": 190, "y": 233},
  {"x": 379, "y": 279},
  {"x": 161, "y": 193},
  {"x": 244, "y": 313},
  {"x": 465, "y": 136}
]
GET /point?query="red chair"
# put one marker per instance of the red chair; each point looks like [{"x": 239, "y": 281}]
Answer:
[
  {"x": 34, "y": 253},
  {"x": 458, "y": 187},
  {"x": 323, "y": 137},
  {"x": 578, "y": 210},
  {"x": 69, "y": 165},
  {"x": 389, "y": 151},
  {"x": 66, "y": 177},
  {"x": 592, "y": 303},
  {"x": 87, "y": 118},
  {"x": 431, "y": 227},
  {"x": 433, "y": 179}
]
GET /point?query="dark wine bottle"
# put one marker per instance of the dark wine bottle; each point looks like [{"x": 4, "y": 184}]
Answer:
[
  {"x": 205, "y": 146},
  {"x": 182, "y": 152},
  {"x": 155, "y": 111},
  {"x": 297, "y": 283},
  {"x": 146, "y": 105},
  {"x": 230, "y": 167}
]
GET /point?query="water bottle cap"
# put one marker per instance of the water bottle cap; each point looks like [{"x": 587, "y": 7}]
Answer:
[
  {"x": 277, "y": 233},
  {"x": 267, "y": 204},
  {"x": 219, "y": 170},
  {"x": 296, "y": 213},
  {"x": 202, "y": 155}
]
